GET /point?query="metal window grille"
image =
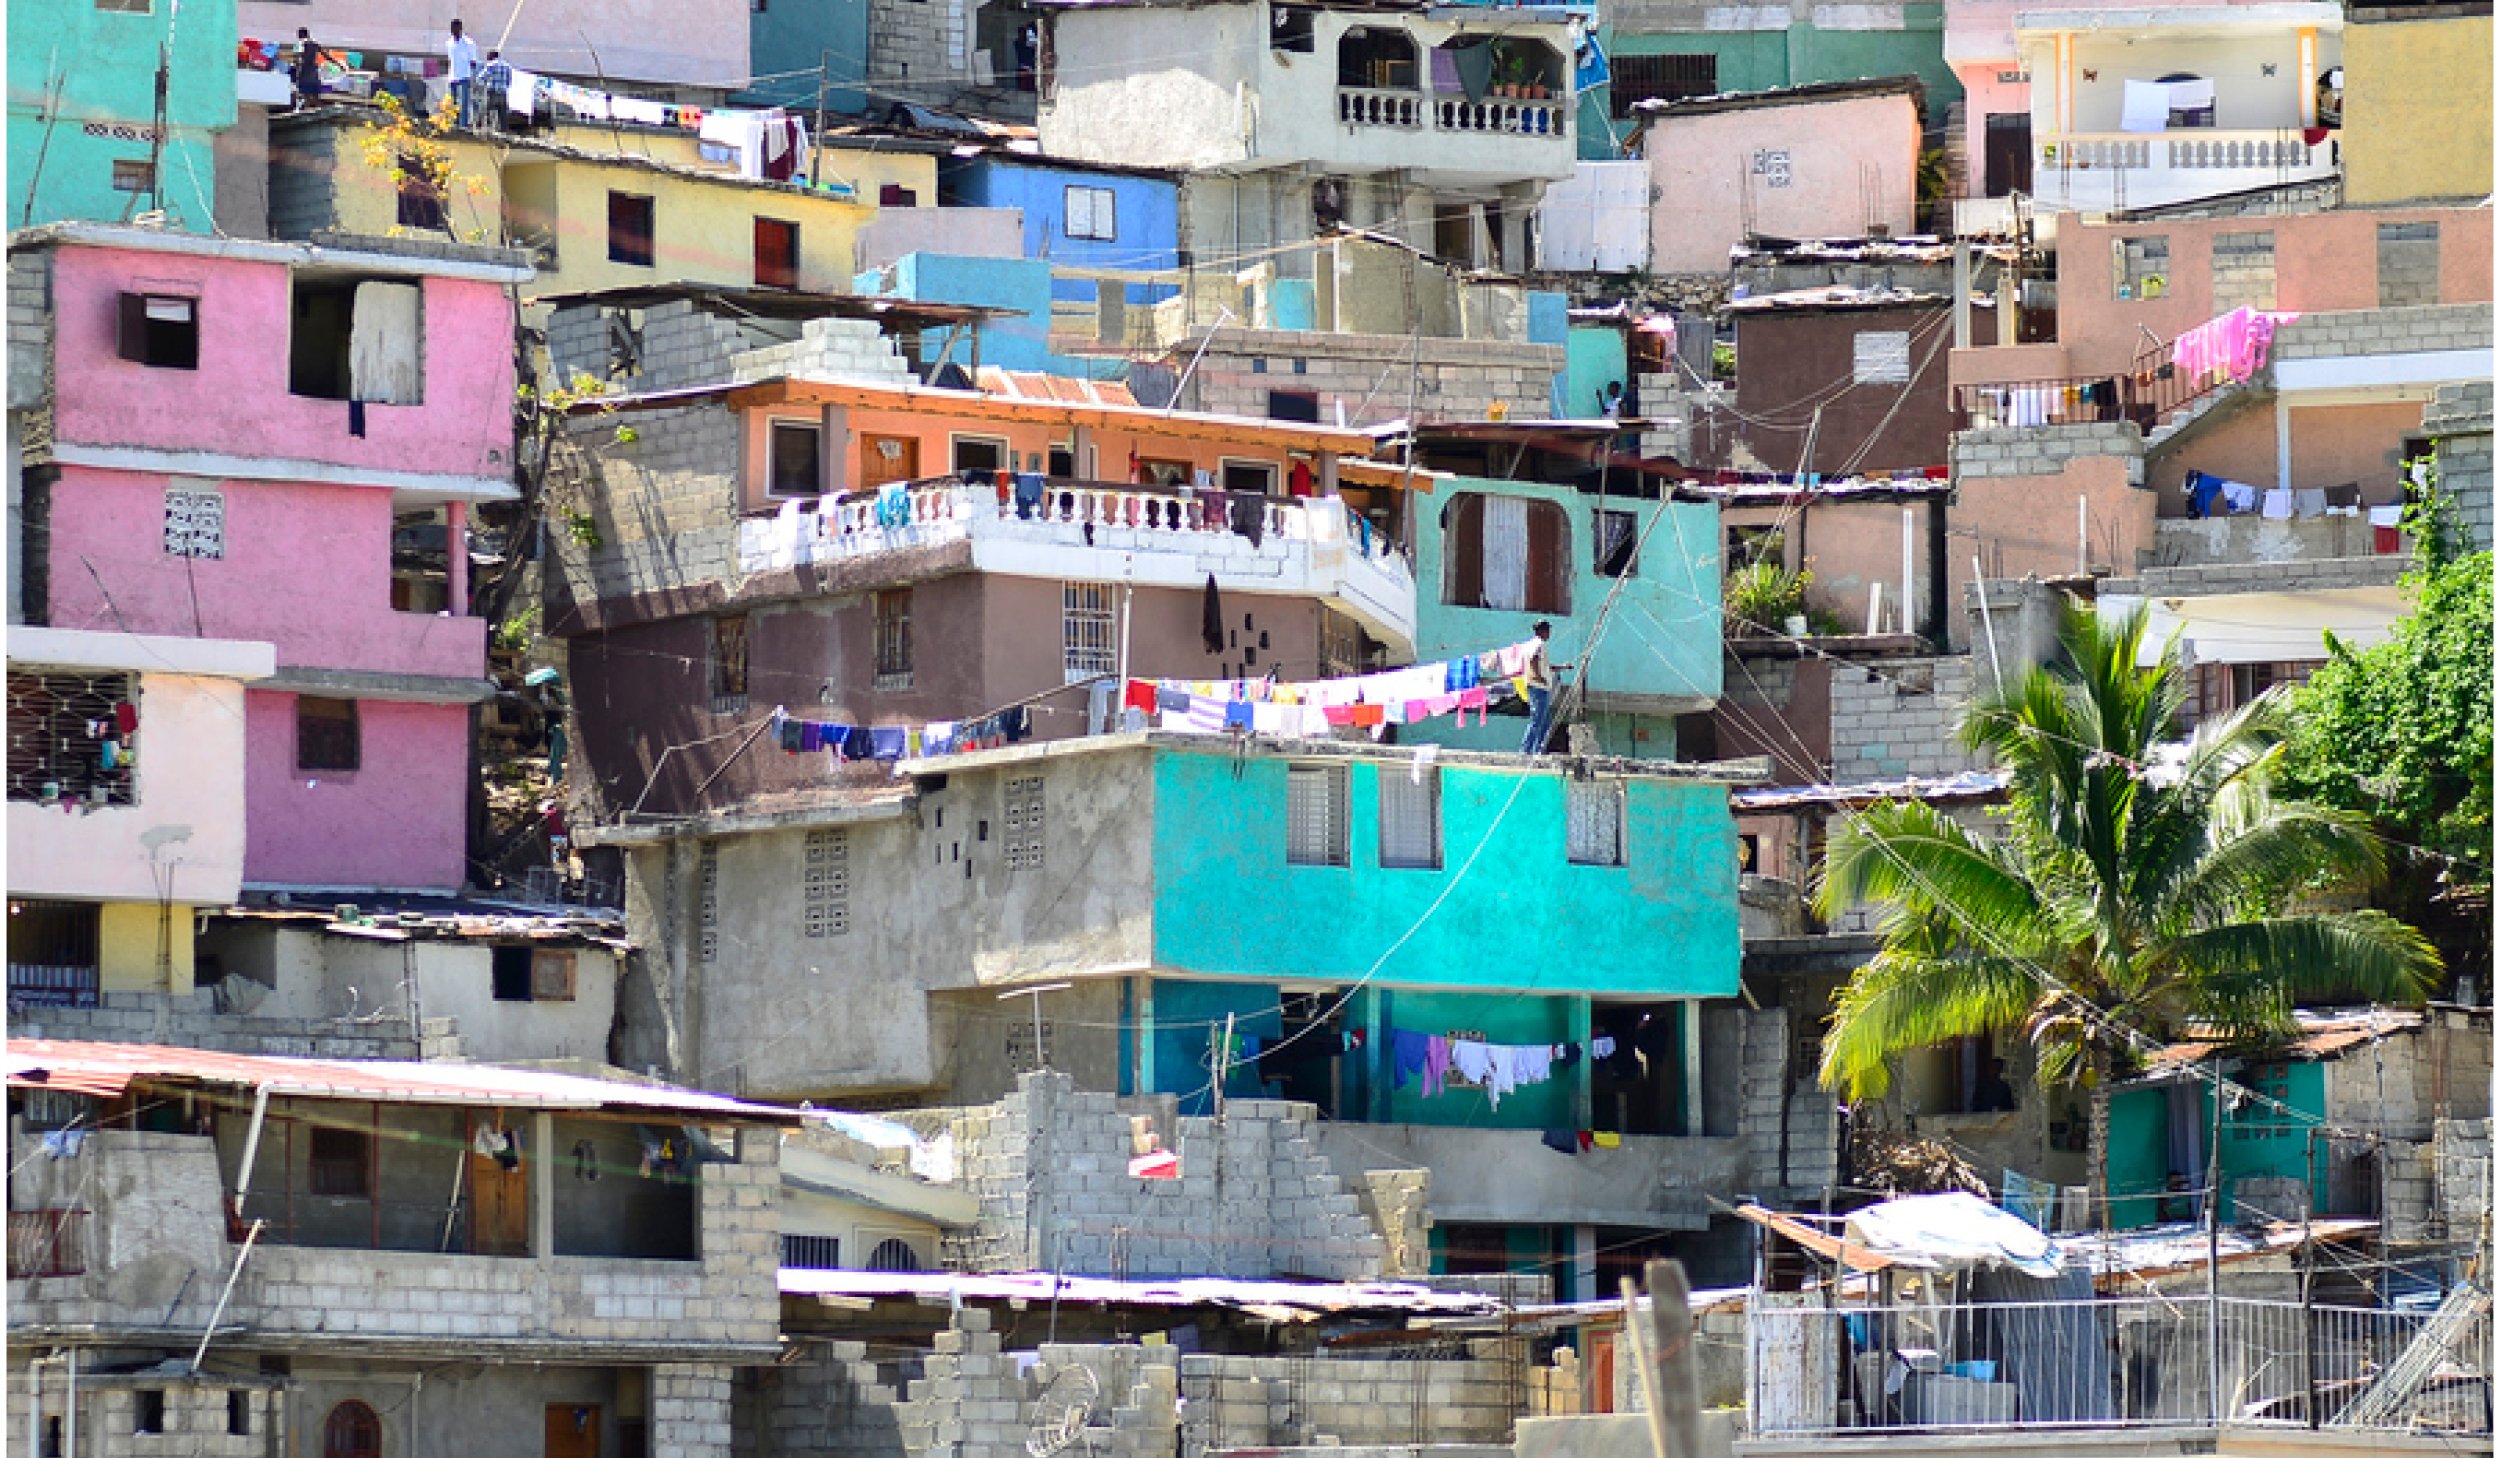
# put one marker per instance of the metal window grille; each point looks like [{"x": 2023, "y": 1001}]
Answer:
[
  {"x": 707, "y": 890},
  {"x": 811, "y": 1252},
  {"x": 729, "y": 664},
  {"x": 47, "y": 1243},
  {"x": 341, "y": 1163},
  {"x": 1618, "y": 544},
  {"x": 1660, "y": 78},
  {"x": 893, "y": 638},
  {"x": 195, "y": 524},
  {"x": 129, "y": 174},
  {"x": 828, "y": 882},
  {"x": 68, "y": 740},
  {"x": 1410, "y": 820},
  {"x": 53, "y": 953},
  {"x": 1593, "y": 811},
  {"x": 1086, "y": 630},
  {"x": 1026, "y": 824},
  {"x": 893, "y": 1254},
  {"x": 1315, "y": 815}
]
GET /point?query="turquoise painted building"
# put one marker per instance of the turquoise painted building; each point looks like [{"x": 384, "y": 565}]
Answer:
[
  {"x": 1493, "y": 557},
  {"x": 803, "y": 45},
  {"x": 1759, "y": 60},
  {"x": 2154, "y": 1127},
  {"x": 82, "y": 110},
  {"x": 1503, "y": 900}
]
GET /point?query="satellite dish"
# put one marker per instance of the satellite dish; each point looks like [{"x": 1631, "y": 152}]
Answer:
[{"x": 1065, "y": 1410}]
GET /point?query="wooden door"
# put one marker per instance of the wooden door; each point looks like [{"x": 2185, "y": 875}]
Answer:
[
  {"x": 2008, "y": 155},
  {"x": 884, "y": 458},
  {"x": 572, "y": 1430},
  {"x": 499, "y": 1208}
]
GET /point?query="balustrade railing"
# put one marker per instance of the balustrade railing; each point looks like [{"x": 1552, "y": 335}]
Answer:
[
  {"x": 1363, "y": 107},
  {"x": 1508, "y": 116}
]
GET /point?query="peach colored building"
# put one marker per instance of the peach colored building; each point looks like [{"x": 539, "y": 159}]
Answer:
[{"x": 1829, "y": 160}]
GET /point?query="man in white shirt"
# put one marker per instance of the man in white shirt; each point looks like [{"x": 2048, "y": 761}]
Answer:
[{"x": 463, "y": 53}]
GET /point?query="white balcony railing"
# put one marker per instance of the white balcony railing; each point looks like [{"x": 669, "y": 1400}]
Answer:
[
  {"x": 1148, "y": 536},
  {"x": 1360, "y": 107},
  {"x": 2091, "y": 170},
  {"x": 1502, "y": 115}
]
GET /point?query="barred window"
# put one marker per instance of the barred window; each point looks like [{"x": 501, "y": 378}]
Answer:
[
  {"x": 1659, "y": 78},
  {"x": 828, "y": 883},
  {"x": 1025, "y": 824},
  {"x": 1341, "y": 652},
  {"x": 1086, "y": 630},
  {"x": 341, "y": 1163},
  {"x": 729, "y": 663},
  {"x": 811, "y": 1252},
  {"x": 74, "y": 736},
  {"x": 707, "y": 894},
  {"x": 1315, "y": 815},
  {"x": 1593, "y": 812},
  {"x": 1410, "y": 820},
  {"x": 195, "y": 524},
  {"x": 327, "y": 736},
  {"x": 893, "y": 637}
]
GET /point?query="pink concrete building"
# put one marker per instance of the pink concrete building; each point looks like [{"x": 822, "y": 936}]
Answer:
[
  {"x": 1834, "y": 159},
  {"x": 280, "y": 444}
]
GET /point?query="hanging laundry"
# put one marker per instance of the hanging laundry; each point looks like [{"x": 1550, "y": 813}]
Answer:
[
  {"x": 2278, "y": 505},
  {"x": 1561, "y": 1141},
  {"x": 1436, "y": 1064}
]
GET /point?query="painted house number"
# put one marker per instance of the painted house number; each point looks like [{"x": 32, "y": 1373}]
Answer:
[{"x": 1772, "y": 168}]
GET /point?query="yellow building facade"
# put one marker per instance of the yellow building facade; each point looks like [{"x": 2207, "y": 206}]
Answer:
[
  {"x": 2417, "y": 109},
  {"x": 602, "y": 209}
]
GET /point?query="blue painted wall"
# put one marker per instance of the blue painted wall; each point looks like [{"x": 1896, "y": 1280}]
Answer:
[
  {"x": 786, "y": 35},
  {"x": 1146, "y": 227},
  {"x": 1663, "y": 636},
  {"x": 73, "y": 66},
  {"x": 1520, "y": 920},
  {"x": 2258, "y": 1140},
  {"x": 1019, "y": 341}
]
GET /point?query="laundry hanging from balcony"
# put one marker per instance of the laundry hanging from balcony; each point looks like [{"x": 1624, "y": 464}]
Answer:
[{"x": 1310, "y": 710}]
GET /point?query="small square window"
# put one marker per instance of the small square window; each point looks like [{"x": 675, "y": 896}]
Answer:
[
  {"x": 341, "y": 1166},
  {"x": 1296, "y": 405},
  {"x": 132, "y": 174},
  {"x": 160, "y": 331},
  {"x": 1315, "y": 815},
  {"x": 1091, "y": 213},
  {"x": 630, "y": 228},
  {"x": 326, "y": 735},
  {"x": 1410, "y": 820},
  {"x": 892, "y": 196},
  {"x": 512, "y": 974},
  {"x": 797, "y": 459},
  {"x": 420, "y": 194},
  {"x": 1881, "y": 357},
  {"x": 1593, "y": 810},
  {"x": 148, "y": 1411}
]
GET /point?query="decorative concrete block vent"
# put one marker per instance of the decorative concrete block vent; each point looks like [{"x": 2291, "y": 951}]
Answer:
[{"x": 1255, "y": 1197}]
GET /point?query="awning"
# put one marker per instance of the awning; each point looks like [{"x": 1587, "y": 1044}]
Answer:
[
  {"x": 104, "y": 1070},
  {"x": 1828, "y": 1247}
]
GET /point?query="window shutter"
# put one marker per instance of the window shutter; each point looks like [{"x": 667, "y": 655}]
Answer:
[
  {"x": 133, "y": 335},
  {"x": 1549, "y": 559},
  {"x": 1464, "y": 553}
]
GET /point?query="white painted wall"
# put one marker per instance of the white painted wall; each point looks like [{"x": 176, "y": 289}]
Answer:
[
  {"x": 1597, "y": 221},
  {"x": 189, "y": 815}
]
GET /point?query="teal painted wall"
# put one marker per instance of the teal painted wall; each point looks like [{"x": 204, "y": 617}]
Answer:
[
  {"x": 830, "y": 33},
  {"x": 1521, "y": 919},
  {"x": 1596, "y": 358},
  {"x": 1625, "y": 736},
  {"x": 1663, "y": 638},
  {"x": 72, "y": 65},
  {"x": 1500, "y": 1018},
  {"x": 1757, "y": 60},
  {"x": 2258, "y": 1140},
  {"x": 1186, "y": 1015}
]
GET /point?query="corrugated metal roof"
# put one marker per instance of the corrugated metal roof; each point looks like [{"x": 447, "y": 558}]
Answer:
[
  {"x": 2322, "y": 1035},
  {"x": 1830, "y": 1248},
  {"x": 1286, "y": 1300},
  {"x": 105, "y": 1069},
  {"x": 1969, "y": 785},
  {"x": 1035, "y": 385}
]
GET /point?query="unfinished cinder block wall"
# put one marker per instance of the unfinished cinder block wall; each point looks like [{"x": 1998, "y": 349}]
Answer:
[{"x": 1255, "y": 1197}]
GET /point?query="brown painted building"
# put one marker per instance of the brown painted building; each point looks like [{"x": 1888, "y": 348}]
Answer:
[{"x": 1835, "y": 380}]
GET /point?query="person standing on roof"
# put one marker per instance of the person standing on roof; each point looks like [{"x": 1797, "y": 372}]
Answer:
[
  {"x": 308, "y": 54},
  {"x": 462, "y": 52},
  {"x": 1539, "y": 675}
]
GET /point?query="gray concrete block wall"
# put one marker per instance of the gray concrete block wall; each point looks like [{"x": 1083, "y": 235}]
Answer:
[
  {"x": 2408, "y": 264},
  {"x": 1899, "y": 718},
  {"x": 1372, "y": 375},
  {"x": 303, "y": 189},
  {"x": 2040, "y": 450},
  {"x": 1255, "y": 1197},
  {"x": 2394, "y": 330},
  {"x": 690, "y": 1410},
  {"x": 665, "y": 506},
  {"x": 194, "y": 1022},
  {"x": 2243, "y": 271},
  {"x": 195, "y": 1416},
  {"x": 30, "y": 327},
  {"x": 2458, "y": 420}
]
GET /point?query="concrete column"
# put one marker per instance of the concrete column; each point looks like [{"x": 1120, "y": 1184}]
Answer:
[
  {"x": 542, "y": 1177},
  {"x": 1327, "y": 473},
  {"x": 1584, "y": 1264},
  {"x": 1378, "y": 1062},
  {"x": 1688, "y": 1034},
  {"x": 1145, "y": 1025},
  {"x": 2307, "y": 80},
  {"x": 833, "y": 450},
  {"x": 2282, "y": 442},
  {"x": 1583, "y": 1073},
  {"x": 456, "y": 555},
  {"x": 2064, "y": 81}
]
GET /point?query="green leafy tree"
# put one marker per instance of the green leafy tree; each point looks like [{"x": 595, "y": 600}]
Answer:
[
  {"x": 2125, "y": 902},
  {"x": 2401, "y": 733}
]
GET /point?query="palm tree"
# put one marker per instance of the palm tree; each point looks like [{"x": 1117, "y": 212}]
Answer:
[{"x": 2126, "y": 902}]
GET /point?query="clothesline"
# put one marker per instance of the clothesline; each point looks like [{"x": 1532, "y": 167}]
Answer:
[
  {"x": 1311, "y": 709},
  {"x": 768, "y": 144}
]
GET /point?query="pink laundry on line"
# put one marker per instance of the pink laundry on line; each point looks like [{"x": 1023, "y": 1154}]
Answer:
[{"x": 2234, "y": 345}]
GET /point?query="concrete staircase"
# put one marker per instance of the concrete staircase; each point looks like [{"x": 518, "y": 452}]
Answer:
[{"x": 2215, "y": 404}]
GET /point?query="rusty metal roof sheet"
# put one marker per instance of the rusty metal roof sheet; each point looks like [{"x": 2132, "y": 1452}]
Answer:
[
  {"x": 2321, "y": 1035},
  {"x": 1830, "y": 1248},
  {"x": 1276, "y": 1300},
  {"x": 106, "y": 1069}
]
